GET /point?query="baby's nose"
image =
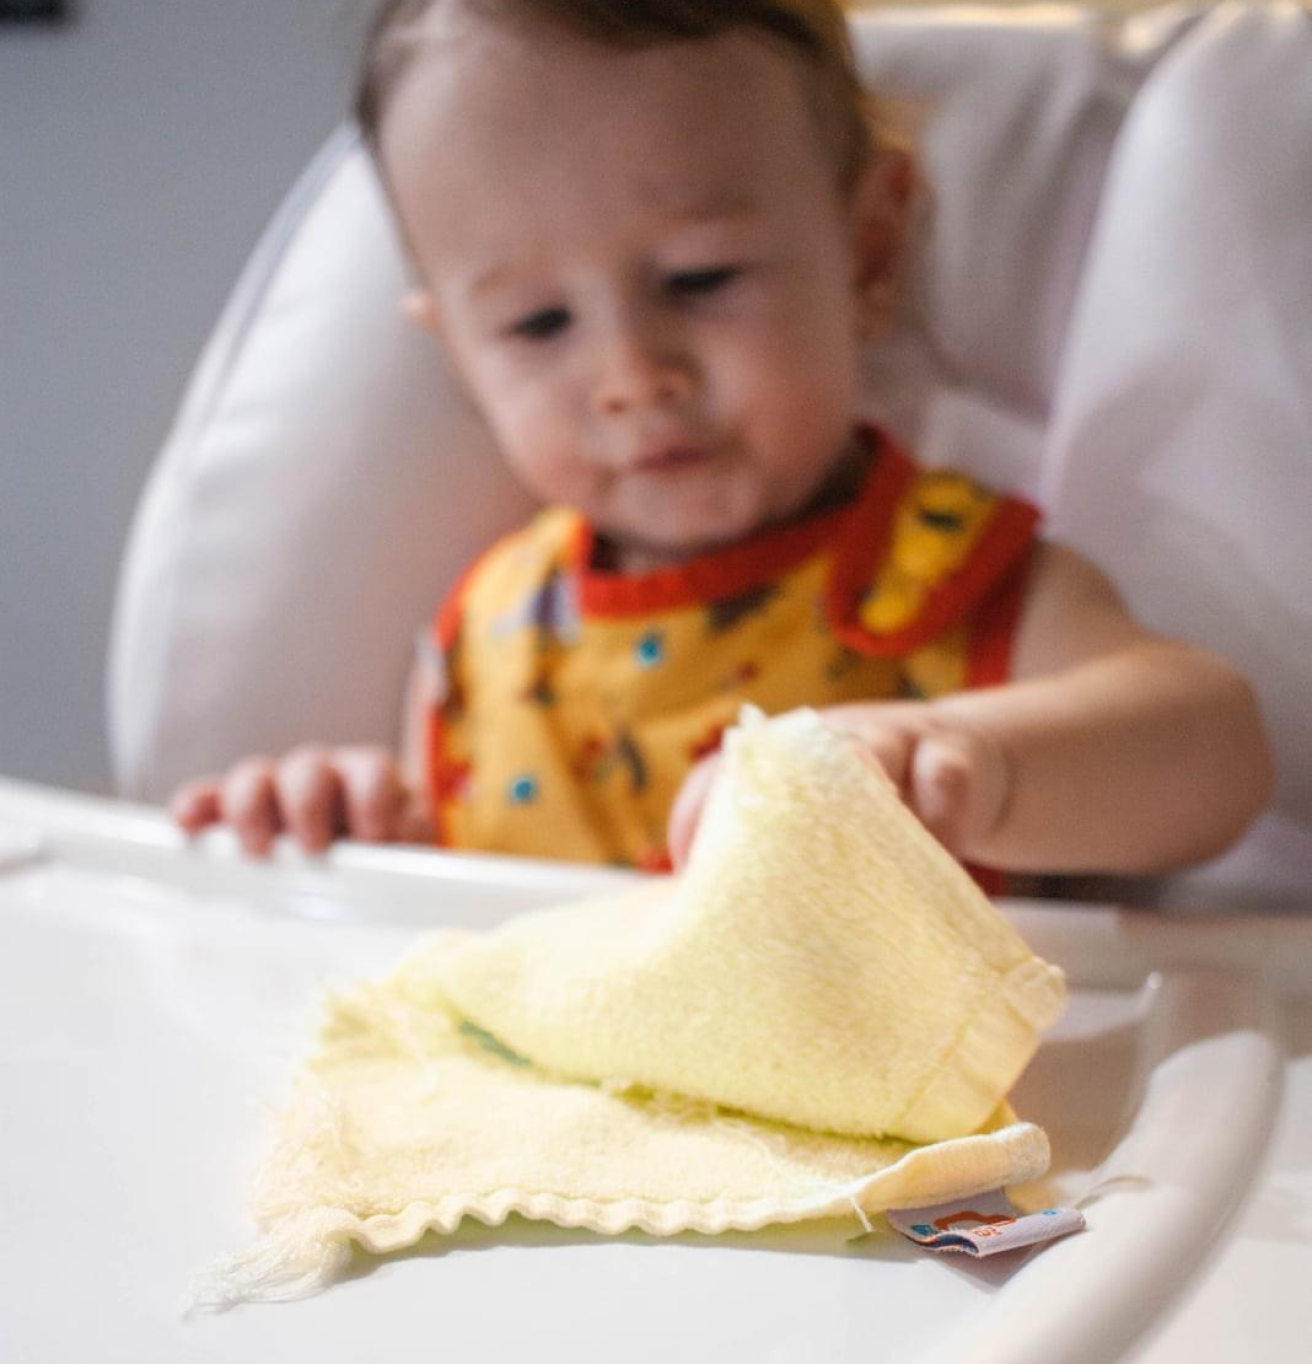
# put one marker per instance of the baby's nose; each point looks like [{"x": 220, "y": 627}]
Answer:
[{"x": 642, "y": 368}]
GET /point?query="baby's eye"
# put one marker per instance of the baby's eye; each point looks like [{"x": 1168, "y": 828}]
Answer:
[
  {"x": 542, "y": 325},
  {"x": 696, "y": 283}
]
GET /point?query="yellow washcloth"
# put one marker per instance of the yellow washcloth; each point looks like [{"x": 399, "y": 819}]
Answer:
[{"x": 766, "y": 1038}]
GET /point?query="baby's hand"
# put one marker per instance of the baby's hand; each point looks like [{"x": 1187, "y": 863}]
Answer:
[
  {"x": 953, "y": 777},
  {"x": 315, "y": 794}
]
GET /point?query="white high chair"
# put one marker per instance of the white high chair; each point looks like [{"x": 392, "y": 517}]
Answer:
[{"x": 1109, "y": 315}]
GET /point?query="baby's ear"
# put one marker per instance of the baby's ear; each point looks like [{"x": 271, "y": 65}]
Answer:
[
  {"x": 883, "y": 201},
  {"x": 421, "y": 308}
]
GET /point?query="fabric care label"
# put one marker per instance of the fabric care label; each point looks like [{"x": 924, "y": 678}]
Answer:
[{"x": 985, "y": 1224}]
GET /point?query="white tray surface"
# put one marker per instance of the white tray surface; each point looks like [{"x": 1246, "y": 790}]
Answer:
[{"x": 153, "y": 996}]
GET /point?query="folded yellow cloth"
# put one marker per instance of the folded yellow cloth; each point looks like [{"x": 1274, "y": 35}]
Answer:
[{"x": 822, "y": 1013}]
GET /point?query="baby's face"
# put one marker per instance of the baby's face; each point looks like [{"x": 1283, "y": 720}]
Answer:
[{"x": 643, "y": 267}]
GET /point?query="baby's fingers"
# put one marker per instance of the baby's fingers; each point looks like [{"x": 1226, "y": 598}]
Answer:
[
  {"x": 958, "y": 786},
  {"x": 248, "y": 802},
  {"x": 374, "y": 796},
  {"x": 195, "y": 804},
  {"x": 940, "y": 791},
  {"x": 309, "y": 797}
]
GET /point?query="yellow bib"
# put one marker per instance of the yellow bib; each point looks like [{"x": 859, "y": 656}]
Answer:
[{"x": 576, "y": 701}]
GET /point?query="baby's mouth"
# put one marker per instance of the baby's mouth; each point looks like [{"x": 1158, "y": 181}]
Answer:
[{"x": 671, "y": 458}]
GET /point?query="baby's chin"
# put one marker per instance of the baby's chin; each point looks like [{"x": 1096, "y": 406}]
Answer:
[
  {"x": 649, "y": 531},
  {"x": 629, "y": 554},
  {"x": 647, "y": 549}
]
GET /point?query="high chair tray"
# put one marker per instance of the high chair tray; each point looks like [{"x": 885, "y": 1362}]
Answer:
[{"x": 153, "y": 996}]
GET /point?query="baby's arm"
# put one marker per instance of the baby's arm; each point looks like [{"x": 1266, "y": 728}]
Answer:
[
  {"x": 317, "y": 793},
  {"x": 1114, "y": 750},
  {"x": 1119, "y": 750}
]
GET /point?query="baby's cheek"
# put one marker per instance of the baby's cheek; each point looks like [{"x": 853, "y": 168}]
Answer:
[
  {"x": 804, "y": 381},
  {"x": 555, "y": 471},
  {"x": 523, "y": 430}
]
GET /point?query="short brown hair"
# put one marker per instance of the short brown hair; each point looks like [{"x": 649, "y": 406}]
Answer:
[{"x": 815, "y": 30}]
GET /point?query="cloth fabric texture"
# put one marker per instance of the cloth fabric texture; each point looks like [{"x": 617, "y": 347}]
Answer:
[
  {"x": 570, "y": 703},
  {"x": 822, "y": 1014}
]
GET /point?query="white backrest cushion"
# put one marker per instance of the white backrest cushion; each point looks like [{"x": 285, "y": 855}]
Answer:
[
  {"x": 1180, "y": 453},
  {"x": 1018, "y": 113},
  {"x": 325, "y": 479}
]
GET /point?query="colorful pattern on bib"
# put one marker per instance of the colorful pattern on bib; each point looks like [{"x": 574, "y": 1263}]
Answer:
[{"x": 576, "y": 701}]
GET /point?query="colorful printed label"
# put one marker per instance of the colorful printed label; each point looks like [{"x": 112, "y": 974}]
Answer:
[{"x": 985, "y": 1224}]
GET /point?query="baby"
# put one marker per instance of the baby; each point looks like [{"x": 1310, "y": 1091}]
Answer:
[{"x": 653, "y": 236}]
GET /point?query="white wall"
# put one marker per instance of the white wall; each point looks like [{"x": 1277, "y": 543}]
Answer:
[{"x": 142, "y": 147}]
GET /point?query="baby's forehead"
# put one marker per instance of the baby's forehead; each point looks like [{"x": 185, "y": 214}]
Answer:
[
  {"x": 516, "y": 231},
  {"x": 503, "y": 73},
  {"x": 689, "y": 126}
]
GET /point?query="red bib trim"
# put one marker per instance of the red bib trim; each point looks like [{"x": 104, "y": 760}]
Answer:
[{"x": 1002, "y": 546}]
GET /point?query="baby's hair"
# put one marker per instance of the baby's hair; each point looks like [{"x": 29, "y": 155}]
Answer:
[{"x": 814, "y": 30}]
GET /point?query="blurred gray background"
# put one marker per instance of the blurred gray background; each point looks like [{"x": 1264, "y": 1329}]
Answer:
[{"x": 143, "y": 145}]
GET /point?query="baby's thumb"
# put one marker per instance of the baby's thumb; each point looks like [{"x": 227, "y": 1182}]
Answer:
[
  {"x": 939, "y": 790},
  {"x": 687, "y": 809}
]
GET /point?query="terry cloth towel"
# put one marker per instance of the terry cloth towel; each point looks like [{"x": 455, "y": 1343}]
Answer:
[{"x": 821, "y": 1014}]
